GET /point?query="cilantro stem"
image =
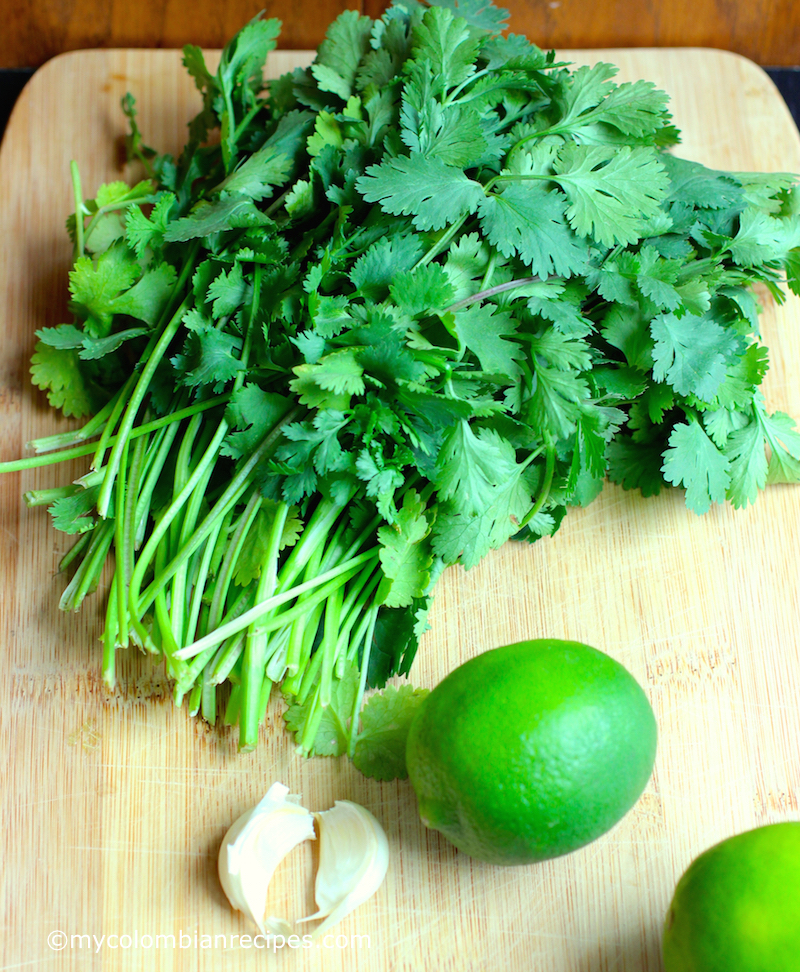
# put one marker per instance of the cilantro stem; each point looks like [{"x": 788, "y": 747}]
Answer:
[
  {"x": 308, "y": 625},
  {"x": 178, "y": 607},
  {"x": 441, "y": 243},
  {"x": 143, "y": 384},
  {"x": 119, "y": 540},
  {"x": 490, "y": 292},
  {"x": 109, "y": 668},
  {"x": 372, "y": 620},
  {"x": 333, "y": 612},
  {"x": 44, "y": 497},
  {"x": 120, "y": 401},
  {"x": 228, "y": 567},
  {"x": 48, "y": 458},
  {"x": 161, "y": 444},
  {"x": 88, "y": 431},
  {"x": 544, "y": 492},
  {"x": 74, "y": 551},
  {"x": 450, "y": 98},
  {"x": 326, "y": 583},
  {"x": 312, "y": 723},
  {"x": 303, "y": 631},
  {"x": 87, "y": 574},
  {"x": 164, "y": 523},
  {"x": 79, "y": 207},
  {"x": 255, "y": 649},
  {"x": 240, "y": 482}
]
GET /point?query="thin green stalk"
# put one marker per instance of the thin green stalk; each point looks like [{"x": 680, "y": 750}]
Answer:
[
  {"x": 550, "y": 465},
  {"x": 442, "y": 243},
  {"x": 195, "y": 699},
  {"x": 80, "y": 211},
  {"x": 312, "y": 723},
  {"x": 109, "y": 667},
  {"x": 75, "y": 550},
  {"x": 121, "y": 399},
  {"x": 326, "y": 583},
  {"x": 490, "y": 292},
  {"x": 315, "y": 533},
  {"x": 240, "y": 482},
  {"x": 87, "y": 575},
  {"x": 208, "y": 702},
  {"x": 175, "y": 666},
  {"x": 89, "y": 431},
  {"x": 44, "y": 497},
  {"x": 119, "y": 544},
  {"x": 306, "y": 625},
  {"x": 228, "y": 567},
  {"x": 299, "y": 637},
  {"x": 226, "y": 657},
  {"x": 51, "y": 458},
  {"x": 135, "y": 403},
  {"x": 362, "y": 679},
  {"x": 156, "y": 459},
  {"x": 333, "y": 614},
  {"x": 253, "y": 662},
  {"x": 231, "y": 716},
  {"x": 200, "y": 585},
  {"x": 126, "y": 555},
  {"x": 163, "y": 524}
]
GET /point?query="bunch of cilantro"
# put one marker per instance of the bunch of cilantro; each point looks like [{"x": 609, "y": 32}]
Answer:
[{"x": 381, "y": 316}]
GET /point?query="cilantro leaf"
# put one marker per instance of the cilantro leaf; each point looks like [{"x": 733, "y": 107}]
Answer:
[
  {"x": 235, "y": 211},
  {"x": 58, "y": 371},
  {"x": 209, "y": 356},
  {"x": 423, "y": 290},
  {"x": 612, "y": 191},
  {"x": 374, "y": 272},
  {"x": 142, "y": 231},
  {"x": 484, "y": 330},
  {"x": 449, "y": 46},
  {"x": 405, "y": 559},
  {"x": 72, "y": 514},
  {"x": 635, "y": 465},
  {"x": 427, "y": 189},
  {"x": 746, "y": 453},
  {"x": 331, "y": 737},
  {"x": 529, "y": 220},
  {"x": 690, "y": 352},
  {"x": 693, "y": 461},
  {"x": 346, "y": 42},
  {"x": 259, "y": 174},
  {"x": 784, "y": 442},
  {"x": 380, "y": 751}
]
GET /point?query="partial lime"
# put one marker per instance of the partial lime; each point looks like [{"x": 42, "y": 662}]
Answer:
[{"x": 737, "y": 907}]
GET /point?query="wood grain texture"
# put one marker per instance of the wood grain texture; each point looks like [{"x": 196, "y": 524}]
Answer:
[
  {"x": 36, "y": 30},
  {"x": 114, "y": 805},
  {"x": 765, "y": 31}
]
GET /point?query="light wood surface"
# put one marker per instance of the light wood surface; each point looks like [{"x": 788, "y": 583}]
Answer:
[
  {"x": 34, "y": 30},
  {"x": 113, "y": 806}
]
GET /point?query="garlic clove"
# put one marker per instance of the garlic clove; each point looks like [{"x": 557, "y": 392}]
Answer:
[
  {"x": 253, "y": 848},
  {"x": 353, "y": 860}
]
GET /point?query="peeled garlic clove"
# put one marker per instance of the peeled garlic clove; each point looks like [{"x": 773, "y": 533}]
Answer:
[
  {"x": 255, "y": 845},
  {"x": 353, "y": 859}
]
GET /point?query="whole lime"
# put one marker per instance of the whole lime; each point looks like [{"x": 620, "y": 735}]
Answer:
[
  {"x": 737, "y": 907},
  {"x": 530, "y": 751}
]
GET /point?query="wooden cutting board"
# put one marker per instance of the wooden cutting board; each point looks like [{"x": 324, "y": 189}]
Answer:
[{"x": 114, "y": 805}]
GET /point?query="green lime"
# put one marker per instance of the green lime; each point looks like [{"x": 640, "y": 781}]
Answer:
[
  {"x": 737, "y": 907},
  {"x": 530, "y": 751}
]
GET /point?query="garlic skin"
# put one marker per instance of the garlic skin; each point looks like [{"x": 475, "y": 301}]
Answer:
[
  {"x": 254, "y": 846},
  {"x": 353, "y": 860}
]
